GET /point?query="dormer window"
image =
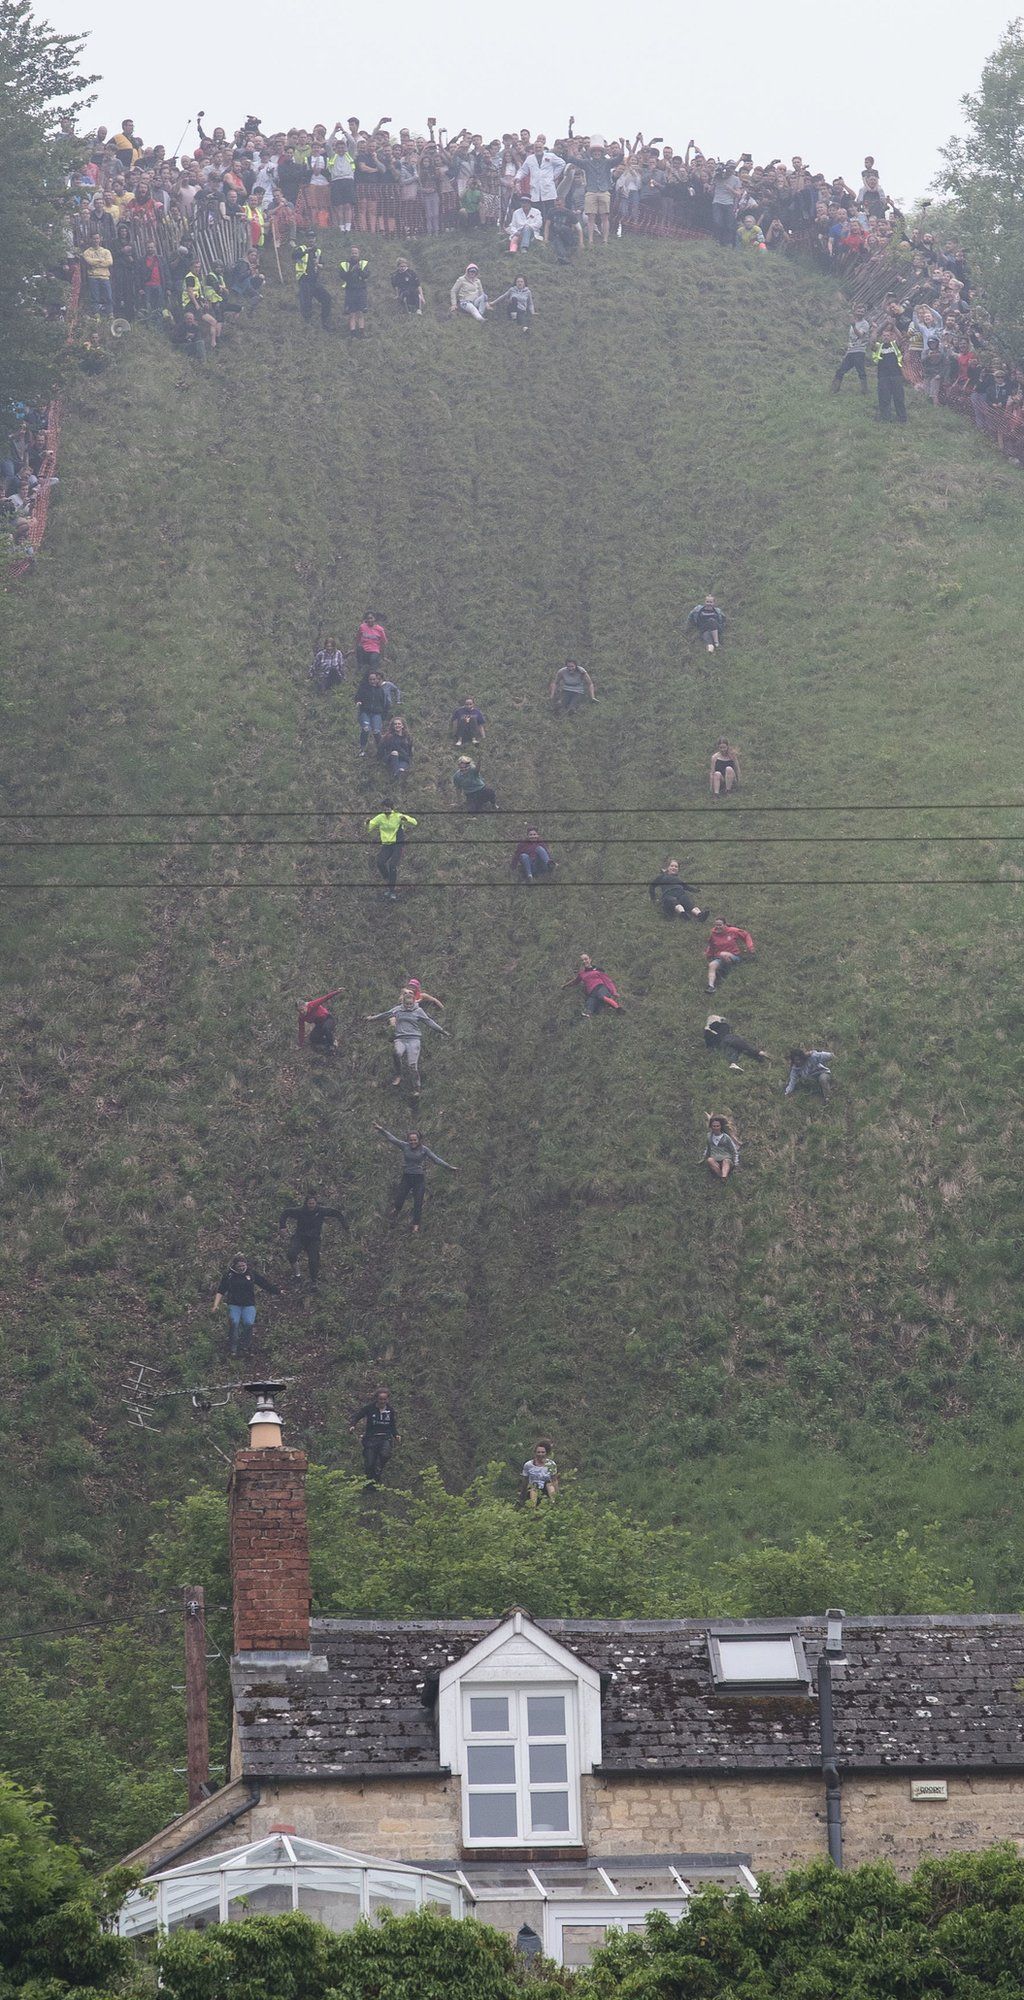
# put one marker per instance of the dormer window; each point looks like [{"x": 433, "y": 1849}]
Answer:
[
  {"x": 519, "y": 1721},
  {"x": 758, "y": 1662}
]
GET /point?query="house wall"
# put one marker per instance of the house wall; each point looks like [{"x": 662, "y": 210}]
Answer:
[{"x": 882, "y": 1822}]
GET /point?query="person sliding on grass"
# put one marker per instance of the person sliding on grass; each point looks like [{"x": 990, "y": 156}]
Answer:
[
  {"x": 308, "y": 1227},
  {"x": 406, "y": 1019},
  {"x": 725, "y": 767},
  {"x": 317, "y": 1017},
  {"x": 328, "y": 666},
  {"x": 724, "y": 949},
  {"x": 468, "y": 295},
  {"x": 380, "y": 1433},
  {"x": 395, "y": 747},
  {"x": 414, "y": 1171},
  {"x": 599, "y": 989},
  {"x": 675, "y": 895},
  {"x": 389, "y": 825},
  {"x": 532, "y": 858},
  {"x": 571, "y": 686},
  {"x": 810, "y": 1066},
  {"x": 721, "y": 1147},
  {"x": 709, "y": 623},
  {"x": 518, "y": 301},
  {"x": 479, "y": 797},
  {"x": 539, "y": 1477},
  {"x": 238, "y": 1288},
  {"x": 719, "y": 1034}
]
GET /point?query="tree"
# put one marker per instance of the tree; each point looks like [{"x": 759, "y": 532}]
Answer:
[
  {"x": 983, "y": 176},
  {"x": 41, "y": 91},
  {"x": 52, "y": 1939},
  {"x": 955, "y": 1931}
]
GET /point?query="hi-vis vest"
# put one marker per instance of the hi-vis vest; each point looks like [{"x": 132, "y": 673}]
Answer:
[
  {"x": 302, "y": 257},
  {"x": 192, "y": 293},
  {"x": 253, "y": 213},
  {"x": 215, "y": 288},
  {"x": 349, "y": 271},
  {"x": 887, "y": 350}
]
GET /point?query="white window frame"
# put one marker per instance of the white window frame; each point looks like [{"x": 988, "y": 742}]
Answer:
[
  {"x": 517, "y": 1737},
  {"x": 797, "y": 1682},
  {"x": 516, "y": 1660},
  {"x": 614, "y": 1916}
]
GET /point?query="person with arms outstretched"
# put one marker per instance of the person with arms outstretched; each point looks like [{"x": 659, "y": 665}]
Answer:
[
  {"x": 237, "y": 1289},
  {"x": 380, "y": 1433},
  {"x": 307, "y": 1227},
  {"x": 414, "y": 1171},
  {"x": 600, "y": 991},
  {"x": 406, "y": 1020}
]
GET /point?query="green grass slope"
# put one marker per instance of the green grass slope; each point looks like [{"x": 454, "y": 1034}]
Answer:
[{"x": 834, "y": 1335}]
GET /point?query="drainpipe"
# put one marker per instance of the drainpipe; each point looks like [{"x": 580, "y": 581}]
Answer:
[{"x": 831, "y": 1656}]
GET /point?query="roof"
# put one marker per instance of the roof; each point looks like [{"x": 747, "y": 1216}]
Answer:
[{"x": 936, "y": 1692}]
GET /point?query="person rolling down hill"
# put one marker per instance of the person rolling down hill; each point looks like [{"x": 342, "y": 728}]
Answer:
[
  {"x": 599, "y": 989},
  {"x": 414, "y": 1171},
  {"x": 571, "y": 686},
  {"x": 725, "y": 948},
  {"x": 380, "y": 1433},
  {"x": 406, "y": 1019},
  {"x": 308, "y": 1222},
  {"x": 810, "y": 1066},
  {"x": 674, "y": 895},
  {"x": 532, "y": 859},
  {"x": 721, "y": 1147},
  {"x": 539, "y": 1479},
  {"x": 317, "y": 1017},
  {"x": 238, "y": 1290},
  {"x": 389, "y": 825},
  {"x": 479, "y": 797},
  {"x": 720, "y": 1034},
  {"x": 709, "y": 623},
  {"x": 725, "y": 768}
]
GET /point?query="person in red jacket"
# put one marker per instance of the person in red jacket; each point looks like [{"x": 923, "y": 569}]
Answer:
[
  {"x": 724, "y": 949},
  {"x": 317, "y": 1017},
  {"x": 532, "y": 859},
  {"x": 421, "y": 998},
  {"x": 599, "y": 989}
]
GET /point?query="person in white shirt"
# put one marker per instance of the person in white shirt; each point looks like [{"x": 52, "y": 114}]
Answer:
[
  {"x": 545, "y": 170},
  {"x": 526, "y": 223}
]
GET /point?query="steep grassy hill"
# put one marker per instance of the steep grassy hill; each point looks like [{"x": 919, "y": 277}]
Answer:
[{"x": 837, "y": 1333}]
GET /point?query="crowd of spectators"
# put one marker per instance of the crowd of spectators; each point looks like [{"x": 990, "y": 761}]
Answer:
[{"x": 26, "y": 476}]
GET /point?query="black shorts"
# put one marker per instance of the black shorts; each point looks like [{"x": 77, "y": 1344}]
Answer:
[
  {"x": 343, "y": 194},
  {"x": 724, "y": 764},
  {"x": 547, "y": 208},
  {"x": 355, "y": 298}
]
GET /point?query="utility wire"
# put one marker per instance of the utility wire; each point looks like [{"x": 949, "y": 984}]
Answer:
[
  {"x": 565, "y": 840},
  {"x": 299, "y": 887},
  {"x": 522, "y": 812}
]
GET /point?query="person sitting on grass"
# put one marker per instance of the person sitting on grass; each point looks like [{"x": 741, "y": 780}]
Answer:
[
  {"x": 532, "y": 858},
  {"x": 518, "y": 301},
  {"x": 708, "y": 622},
  {"x": 571, "y": 686},
  {"x": 317, "y": 1017},
  {"x": 468, "y": 723},
  {"x": 328, "y": 667},
  {"x": 468, "y": 295},
  {"x": 539, "y": 1477},
  {"x": 725, "y": 768},
  {"x": 725, "y": 948},
  {"x": 721, "y": 1147},
  {"x": 674, "y": 895},
  {"x": 810, "y": 1066},
  {"x": 600, "y": 991},
  {"x": 720, "y": 1034},
  {"x": 395, "y": 747},
  {"x": 479, "y": 796}
]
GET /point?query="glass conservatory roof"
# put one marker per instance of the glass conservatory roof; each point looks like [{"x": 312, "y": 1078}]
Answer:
[{"x": 284, "y": 1872}]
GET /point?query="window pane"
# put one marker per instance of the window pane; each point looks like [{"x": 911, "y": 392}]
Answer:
[
  {"x": 548, "y": 1764},
  {"x": 492, "y": 1764},
  {"x": 759, "y": 1660},
  {"x": 488, "y": 1714},
  {"x": 580, "y": 1941},
  {"x": 549, "y": 1812},
  {"x": 492, "y": 1816},
  {"x": 546, "y": 1714}
]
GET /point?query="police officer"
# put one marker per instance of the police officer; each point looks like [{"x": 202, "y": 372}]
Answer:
[
  {"x": 311, "y": 289},
  {"x": 889, "y": 361}
]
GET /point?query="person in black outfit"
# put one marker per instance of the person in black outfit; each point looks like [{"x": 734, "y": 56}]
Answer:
[
  {"x": 719, "y": 1034},
  {"x": 407, "y": 286},
  {"x": 675, "y": 895},
  {"x": 309, "y": 1221},
  {"x": 237, "y": 1289},
  {"x": 380, "y": 1435},
  {"x": 414, "y": 1171},
  {"x": 312, "y": 290}
]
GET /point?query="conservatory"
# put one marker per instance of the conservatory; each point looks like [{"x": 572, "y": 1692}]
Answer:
[{"x": 284, "y": 1872}]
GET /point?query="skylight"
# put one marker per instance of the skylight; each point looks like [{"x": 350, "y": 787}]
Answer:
[{"x": 765, "y": 1661}]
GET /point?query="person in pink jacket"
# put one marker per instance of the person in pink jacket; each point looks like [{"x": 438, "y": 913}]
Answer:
[{"x": 599, "y": 989}]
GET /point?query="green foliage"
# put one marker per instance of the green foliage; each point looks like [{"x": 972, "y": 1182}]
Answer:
[
  {"x": 52, "y": 1940},
  {"x": 955, "y": 1931},
  {"x": 424, "y": 1957},
  {"x": 983, "y": 177},
  {"x": 39, "y": 84}
]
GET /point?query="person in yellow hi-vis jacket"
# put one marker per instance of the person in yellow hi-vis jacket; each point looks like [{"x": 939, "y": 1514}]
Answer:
[
  {"x": 888, "y": 360},
  {"x": 389, "y": 825}
]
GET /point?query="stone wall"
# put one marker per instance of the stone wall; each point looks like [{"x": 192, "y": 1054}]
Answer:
[
  {"x": 779, "y": 1822},
  {"x": 881, "y": 1821}
]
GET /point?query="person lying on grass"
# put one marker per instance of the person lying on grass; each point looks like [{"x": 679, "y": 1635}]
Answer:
[
  {"x": 599, "y": 989},
  {"x": 673, "y": 894}
]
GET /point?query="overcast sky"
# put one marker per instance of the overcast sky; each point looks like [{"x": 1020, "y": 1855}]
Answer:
[{"x": 797, "y": 76}]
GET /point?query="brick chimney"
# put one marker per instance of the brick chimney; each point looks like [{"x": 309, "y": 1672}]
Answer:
[{"x": 269, "y": 1540}]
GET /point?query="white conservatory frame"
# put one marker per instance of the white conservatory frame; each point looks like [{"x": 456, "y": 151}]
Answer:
[{"x": 163, "y": 1901}]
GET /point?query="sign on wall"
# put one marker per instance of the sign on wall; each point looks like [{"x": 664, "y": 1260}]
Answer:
[{"x": 929, "y": 1788}]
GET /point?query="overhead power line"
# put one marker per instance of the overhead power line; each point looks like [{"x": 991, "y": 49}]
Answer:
[
  {"x": 373, "y": 887},
  {"x": 719, "y": 811},
  {"x": 470, "y": 846}
]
